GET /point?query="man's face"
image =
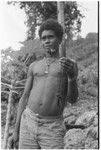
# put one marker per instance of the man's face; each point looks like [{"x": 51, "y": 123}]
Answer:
[{"x": 49, "y": 40}]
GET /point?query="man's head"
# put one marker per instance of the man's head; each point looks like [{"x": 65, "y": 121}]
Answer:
[
  {"x": 51, "y": 33},
  {"x": 53, "y": 25}
]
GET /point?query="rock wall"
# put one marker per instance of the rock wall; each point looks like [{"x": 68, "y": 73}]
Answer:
[{"x": 82, "y": 131}]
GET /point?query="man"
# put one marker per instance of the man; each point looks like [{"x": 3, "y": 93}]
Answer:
[{"x": 51, "y": 82}]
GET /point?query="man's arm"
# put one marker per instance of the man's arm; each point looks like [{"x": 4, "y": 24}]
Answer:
[
  {"x": 24, "y": 99},
  {"x": 71, "y": 69},
  {"x": 72, "y": 94}
]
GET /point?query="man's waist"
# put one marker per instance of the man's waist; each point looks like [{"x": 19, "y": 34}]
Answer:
[{"x": 36, "y": 115}]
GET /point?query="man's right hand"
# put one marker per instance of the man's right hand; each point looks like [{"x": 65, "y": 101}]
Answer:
[{"x": 13, "y": 140}]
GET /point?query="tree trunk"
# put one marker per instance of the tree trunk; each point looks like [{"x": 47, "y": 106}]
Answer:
[
  {"x": 7, "y": 121},
  {"x": 60, "y": 6}
]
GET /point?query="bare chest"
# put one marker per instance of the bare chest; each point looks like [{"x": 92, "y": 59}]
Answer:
[{"x": 42, "y": 68}]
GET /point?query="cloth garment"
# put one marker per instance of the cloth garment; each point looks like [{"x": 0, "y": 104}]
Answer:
[{"x": 37, "y": 132}]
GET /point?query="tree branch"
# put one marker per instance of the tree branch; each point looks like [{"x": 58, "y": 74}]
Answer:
[
  {"x": 5, "y": 80},
  {"x": 5, "y": 84},
  {"x": 7, "y": 92},
  {"x": 17, "y": 88},
  {"x": 15, "y": 92},
  {"x": 20, "y": 82}
]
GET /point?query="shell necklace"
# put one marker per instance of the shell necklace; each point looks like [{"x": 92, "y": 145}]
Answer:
[{"x": 49, "y": 61}]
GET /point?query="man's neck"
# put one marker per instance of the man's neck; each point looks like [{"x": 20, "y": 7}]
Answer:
[{"x": 52, "y": 55}]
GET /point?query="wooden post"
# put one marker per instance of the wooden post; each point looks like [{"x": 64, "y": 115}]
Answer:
[
  {"x": 6, "y": 133},
  {"x": 60, "y": 6},
  {"x": 12, "y": 90}
]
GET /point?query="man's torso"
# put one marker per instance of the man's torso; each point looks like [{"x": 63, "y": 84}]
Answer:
[{"x": 48, "y": 94}]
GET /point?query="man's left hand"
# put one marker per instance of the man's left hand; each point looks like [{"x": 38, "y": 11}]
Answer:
[{"x": 70, "y": 67}]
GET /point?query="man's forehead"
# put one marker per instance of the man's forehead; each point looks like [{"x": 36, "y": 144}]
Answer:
[{"x": 48, "y": 32}]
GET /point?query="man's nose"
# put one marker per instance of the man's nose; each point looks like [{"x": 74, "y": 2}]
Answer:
[{"x": 47, "y": 40}]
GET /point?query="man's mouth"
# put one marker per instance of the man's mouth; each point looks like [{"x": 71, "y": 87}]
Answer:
[{"x": 48, "y": 46}]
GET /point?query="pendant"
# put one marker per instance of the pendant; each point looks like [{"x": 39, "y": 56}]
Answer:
[{"x": 46, "y": 72}]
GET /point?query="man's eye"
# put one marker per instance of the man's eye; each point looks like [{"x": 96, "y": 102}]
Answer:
[
  {"x": 51, "y": 36},
  {"x": 43, "y": 38},
  {"x": 47, "y": 37}
]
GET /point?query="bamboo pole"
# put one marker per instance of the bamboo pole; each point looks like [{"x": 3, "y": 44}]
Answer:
[
  {"x": 60, "y": 6},
  {"x": 6, "y": 133}
]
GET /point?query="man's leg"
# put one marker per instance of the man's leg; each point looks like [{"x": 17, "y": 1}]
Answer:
[
  {"x": 52, "y": 135},
  {"x": 27, "y": 138}
]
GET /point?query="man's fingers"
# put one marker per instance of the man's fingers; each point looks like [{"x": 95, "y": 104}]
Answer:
[
  {"x": 67, "y": 62},
  {"x": 67, "y": 65},
  {"x": 67, "y": 59}
]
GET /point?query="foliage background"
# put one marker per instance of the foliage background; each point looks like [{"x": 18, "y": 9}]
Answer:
[{"x": 37, "y": 12}]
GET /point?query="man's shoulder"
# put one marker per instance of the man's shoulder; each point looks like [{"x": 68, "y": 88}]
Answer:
[
  {"x": 35, "y": 63},
  {"x": 32, "y": 65}
]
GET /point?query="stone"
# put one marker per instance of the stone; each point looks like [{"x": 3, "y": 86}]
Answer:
[
  {"x": 95, "y": 123},
  {"x": 86, "y": 119},
  {"x": 91, "y": 144},
  {"x": 70, "y": 120},
  {"x": 92, "y": 91},
  {"x": 74, "y": 138},
  {"x": 93, "y": 132}
]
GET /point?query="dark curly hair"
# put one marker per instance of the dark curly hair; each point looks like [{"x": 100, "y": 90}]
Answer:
[{"x": 51, "y": 24}]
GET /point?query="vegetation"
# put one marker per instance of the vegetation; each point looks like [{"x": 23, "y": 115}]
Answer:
[{"x": 37, "y": 12}]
